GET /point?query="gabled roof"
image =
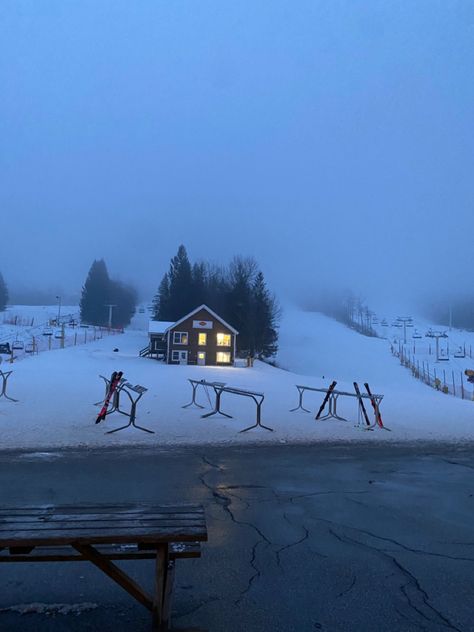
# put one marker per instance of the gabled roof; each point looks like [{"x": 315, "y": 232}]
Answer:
[
  {"x": 211, "y": 312},
  {"x": 159, "y": 326}
]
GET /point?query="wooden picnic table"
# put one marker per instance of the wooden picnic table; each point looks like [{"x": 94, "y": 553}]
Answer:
[{"x": 102, "y": 533}]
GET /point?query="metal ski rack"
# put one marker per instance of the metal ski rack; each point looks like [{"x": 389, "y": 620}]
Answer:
[
  {"x": 4, "y": 375},
  {"x": 115, "y": 397},
  {"x": 257, "y": 398},
  {"x": 301, "y": 390},
  {"x": 195, "y": 384},
  {"x": 128, "y": 389}
]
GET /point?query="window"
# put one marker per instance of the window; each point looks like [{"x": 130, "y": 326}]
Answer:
[
  {"x": 175, "y": 356},
  {"x": 223, "y": 357},
  {"x": 202, "y": 340},
  {"x": 223, "y": 340},
  {"x": 180, "y": 337}
]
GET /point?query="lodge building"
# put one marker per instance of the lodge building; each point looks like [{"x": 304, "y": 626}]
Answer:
[{"x": 201, "y": 337}]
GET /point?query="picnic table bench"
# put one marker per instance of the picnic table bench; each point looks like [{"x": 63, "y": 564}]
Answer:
[{"x": 102, "y": 533}]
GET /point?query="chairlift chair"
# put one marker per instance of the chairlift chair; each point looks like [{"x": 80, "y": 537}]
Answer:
[
  {"x": 384, "y": 323},
  {"x": 460, "y": 353},
  {"x": 48, "y": 331},
  {"x": 30, "y": 347},
  {"x": 58, "y": 333},
  {"x": 416, "y": 334},
  {"x": 18, "y": 344}
]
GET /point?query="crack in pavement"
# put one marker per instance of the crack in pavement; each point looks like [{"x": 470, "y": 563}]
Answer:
[
  {"x": 411, "y": 581},
  {"x": 225, "y": 502},
  {"x": 348, "y": 589},
  {"x": 291, "y": 544}
]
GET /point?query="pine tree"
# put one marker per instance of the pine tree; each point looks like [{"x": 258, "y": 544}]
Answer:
[
  {"x": 95, "y": 295},
  {"x": 264, "y": 316},
  {"x": 161, "y": 300},
  {"x": 180, "y": 285},
  {"x": 3, "y": 294},
  {"x": 239, "y": 302}
]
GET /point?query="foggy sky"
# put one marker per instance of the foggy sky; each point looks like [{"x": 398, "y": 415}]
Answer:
[{"x": 332, "y": 140}]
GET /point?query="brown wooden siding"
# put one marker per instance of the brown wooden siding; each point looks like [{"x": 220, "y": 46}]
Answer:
[{"x": 211, "y": 348}]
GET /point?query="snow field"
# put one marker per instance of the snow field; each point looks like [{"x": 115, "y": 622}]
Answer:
[{"x": 57, "y": 391}]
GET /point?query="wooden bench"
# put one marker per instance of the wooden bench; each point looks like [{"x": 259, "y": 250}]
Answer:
[{"x": 101, "y": 534}]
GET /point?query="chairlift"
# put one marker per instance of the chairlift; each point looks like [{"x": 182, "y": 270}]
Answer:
[
  {"x": 72, "y": 323},
  {"x": 384, "y": 323},
  {"x": 460, "y": 353},
  {"x": 443, "y": 355},
  {"x": 84, "y": 326},
  {"x": 416, "y": 335},
  {"x": 48, "y": 331},
  {"x": 18, "y": 344},
  {"x": 30, "y": 348},
  {"x": 396, "y": 324},
  {"x": 58, "y": 333}
]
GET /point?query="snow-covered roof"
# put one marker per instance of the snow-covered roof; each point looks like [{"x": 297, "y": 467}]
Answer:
[
  {"x": 208, "y": 309},
  {"x": 158, "y": 326}
]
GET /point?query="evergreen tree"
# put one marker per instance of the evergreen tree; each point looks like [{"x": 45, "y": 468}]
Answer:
[
  {"x": 264, "y": 316},
  {"x": 161, "y": 300},
  {"x": 199, "y": 284},
  {"x": 95, "y": 295},
  {"x": 239, "y": 302},
  {"x": 3, "y": 294},
  {"x": 180, "y": 285}
]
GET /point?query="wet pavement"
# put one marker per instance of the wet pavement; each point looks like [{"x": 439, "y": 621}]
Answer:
[{"x": 304, "y": 538}]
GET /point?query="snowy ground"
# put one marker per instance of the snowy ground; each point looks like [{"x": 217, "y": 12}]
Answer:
[{"x": 57, "y": 390}]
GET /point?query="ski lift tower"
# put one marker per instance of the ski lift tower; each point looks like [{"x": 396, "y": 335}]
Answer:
[
  {"x": 405, "y": 321},
  {"x": 437, "y": 335}
]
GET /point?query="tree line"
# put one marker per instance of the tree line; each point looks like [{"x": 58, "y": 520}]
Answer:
[
  {"x": 237, "y": 292},
  {"x": 100, "y": 291}
]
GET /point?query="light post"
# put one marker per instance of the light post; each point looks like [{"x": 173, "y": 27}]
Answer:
[{"x": 59, "y": 308}]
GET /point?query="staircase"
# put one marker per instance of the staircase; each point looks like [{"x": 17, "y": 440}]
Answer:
[{"x": 145, "y": 352}]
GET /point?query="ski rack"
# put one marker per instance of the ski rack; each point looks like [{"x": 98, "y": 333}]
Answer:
[
  {"x": 116, "y": 396},
  {"x": 257, "y": 398},
  {"x": 4, "y": 375},
  {"x": 125, "y": 387},
  {"x": 129, "y": 388},
  {"x": 332, "y": 396},
  {"x": 195, "y": 384}
]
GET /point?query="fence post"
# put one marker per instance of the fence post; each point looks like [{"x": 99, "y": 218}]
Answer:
[
  {"x": 444, "y": 377},
  {"x": 63, "y": 336},
  {"x": 49, "y": 343},
  {"x": 75, "y": 338},
  {"x": 462, "y": 387},
  {"x": 85, "y": 336},
  {"x": 429, "y": 348},
  {"x": 454, "y": 386}
]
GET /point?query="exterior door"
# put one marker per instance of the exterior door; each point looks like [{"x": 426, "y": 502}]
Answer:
[
  {"x": 201, "y": 358},
  {"x": 183, "y": 357}
]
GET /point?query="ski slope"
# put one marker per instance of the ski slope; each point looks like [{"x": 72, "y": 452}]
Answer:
[{"x": 57, "y": 390}]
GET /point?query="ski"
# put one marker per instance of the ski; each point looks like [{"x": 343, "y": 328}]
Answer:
[
  {"x": 378, "y": 416},
  {"x": 326, "y": 398},
  {"x": 362, "y": 405},
  {"x": 114, "y": 382}
]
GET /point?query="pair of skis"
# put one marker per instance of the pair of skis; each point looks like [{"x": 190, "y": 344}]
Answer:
[
  {"x": 115, "y": 379},
  {"x": 373, "y": 401}
]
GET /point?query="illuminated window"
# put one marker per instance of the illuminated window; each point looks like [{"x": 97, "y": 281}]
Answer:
[
  {"x": 223, "y": 340},
  {"x": 202, "y": 339},
  {"x": 223, "y": 357},
  {"x": 180, "y": 337}
]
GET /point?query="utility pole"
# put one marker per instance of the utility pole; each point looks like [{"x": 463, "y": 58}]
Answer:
[{"x": 111, "y": 307}]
